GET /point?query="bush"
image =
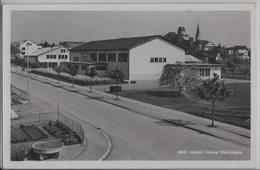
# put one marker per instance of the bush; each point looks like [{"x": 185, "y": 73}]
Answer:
[{"x": 79, "y": 79}]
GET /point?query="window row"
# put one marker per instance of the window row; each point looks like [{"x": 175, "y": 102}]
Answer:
[
  {"x": 109, "y": 57},
  {"x": 158, "y": 60},
  {"x": 62, "y": 50},
  {"x": 205, "y": 72},
  {"x": 98, "y": 68},
  {"x": 59, "y": 56}
]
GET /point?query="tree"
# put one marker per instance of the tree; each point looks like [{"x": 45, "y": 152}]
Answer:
[
  {"x": 58, "y": 70},
  {"x": 214, "y": 90},
  {"x": 91, "y": 73},
  {"x": 179, "y": 77},
  {"x": 72, "y": 70},
  {"x": 117, "y": 75}
]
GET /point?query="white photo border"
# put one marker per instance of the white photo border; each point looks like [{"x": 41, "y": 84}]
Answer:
[{"x": 7, "y": 9}]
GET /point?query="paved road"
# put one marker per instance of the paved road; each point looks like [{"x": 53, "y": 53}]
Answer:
[{"x": 136, "y": 137}]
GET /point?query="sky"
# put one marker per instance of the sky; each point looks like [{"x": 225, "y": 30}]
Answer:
[{"x": 228, "y": 28}]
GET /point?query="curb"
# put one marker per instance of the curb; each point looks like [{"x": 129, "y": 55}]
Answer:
[
  {"x": 110, "y": 146},
  {"x": 99, "y": 130}
]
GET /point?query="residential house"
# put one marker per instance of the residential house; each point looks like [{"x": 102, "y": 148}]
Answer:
[
  {"x": 48, "y": 57},
  {"x": 239, "y": 51},
  {"x": 27, "y": 47}
]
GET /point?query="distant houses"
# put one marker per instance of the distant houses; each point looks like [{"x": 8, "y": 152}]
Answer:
[{"x": 239, "y": 51}]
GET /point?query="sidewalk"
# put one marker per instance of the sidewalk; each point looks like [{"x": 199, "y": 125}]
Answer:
[{"x": 223, "y": 131}]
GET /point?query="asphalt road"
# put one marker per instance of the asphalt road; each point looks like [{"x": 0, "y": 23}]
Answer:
[{"x": 136, "y": 137}]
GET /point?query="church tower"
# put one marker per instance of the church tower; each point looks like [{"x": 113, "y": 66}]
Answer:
[{"x": 197, "y": 36}]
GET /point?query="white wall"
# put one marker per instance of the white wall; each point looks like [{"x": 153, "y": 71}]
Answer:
[
  {"x": 43, "y": 58},
  {"x": 140, "y": 67},
  {"x": 28, "y": 48}
]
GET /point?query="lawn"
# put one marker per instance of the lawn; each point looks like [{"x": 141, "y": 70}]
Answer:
[{"x": 235, "y": 109}]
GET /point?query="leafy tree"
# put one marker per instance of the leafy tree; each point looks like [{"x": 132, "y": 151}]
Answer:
[
  {"x": 214, "y": 90},
  {"x": 117, "y": 75},
  {"x": 179, "y": 77},
  {"x": 91, "y": 73},
  {"x": 72, "y": 70},
  {"x": 58, "y": 70}
]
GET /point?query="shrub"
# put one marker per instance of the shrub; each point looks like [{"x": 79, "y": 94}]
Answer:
[{"x": 78, "y": 79}]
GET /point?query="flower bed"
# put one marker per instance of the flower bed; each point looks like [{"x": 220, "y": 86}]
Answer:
[
  {"x": 66, "y": 135},
  {"x": 17, "y": 135},
  {"x": 34, "y": 132},
  {"x": 78, "y": 79}
]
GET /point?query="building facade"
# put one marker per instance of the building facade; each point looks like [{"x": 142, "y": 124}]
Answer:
[
  {"x": 140, "y": 58},
  {"x": 48, "y": 57},
  {"x": 26, "y": 47}
]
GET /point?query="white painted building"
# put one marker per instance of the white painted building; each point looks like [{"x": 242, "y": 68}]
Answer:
[
  {"x": 140, "y": 58},
  {"x": 26, "y": 47},
  {"x": 50, "y": 56}
]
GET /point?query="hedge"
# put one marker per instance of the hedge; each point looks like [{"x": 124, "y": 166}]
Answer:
[{"x": 78, "y": 79}]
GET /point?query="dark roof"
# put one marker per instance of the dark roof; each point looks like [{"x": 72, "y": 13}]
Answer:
[
  {"x": 71, "y": 44},
  {"x": 116, "y": 44},
  {"x": 14, "y": 49},
  {"x": 197, "y": 64},
  {"x": 240, "y": 47}
]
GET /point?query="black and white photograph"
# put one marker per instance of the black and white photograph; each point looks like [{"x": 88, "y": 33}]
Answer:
[{"x": 138, "y": 84}]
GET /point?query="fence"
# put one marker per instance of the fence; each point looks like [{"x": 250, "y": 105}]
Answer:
[
  {"x": 45, "y": 117},
  {"x": 19, "y": 92}
]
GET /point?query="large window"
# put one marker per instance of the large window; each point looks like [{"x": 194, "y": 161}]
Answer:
[
  {"x": 111, "y": 57},
  {"x": 122, "y": 57},
  {"x": 93, "y": 56},
  {"x": 152, "y": 60},
  {"x": 102, "y": 57},
  {"x": 83, "y": 67},
  {"x": 164, "y": 60},
  {"x": 101, "y": 68},
  {"x": 205, "y": 72},
  {"x": 76, "y": 59}
]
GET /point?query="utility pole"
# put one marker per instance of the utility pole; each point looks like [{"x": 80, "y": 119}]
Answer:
[
  {"x": 27, "y": 60},
  {"x": 27, "y": 84},
  {"x": 27, "y": 87},
  {"x": 58, "y": 104}
]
